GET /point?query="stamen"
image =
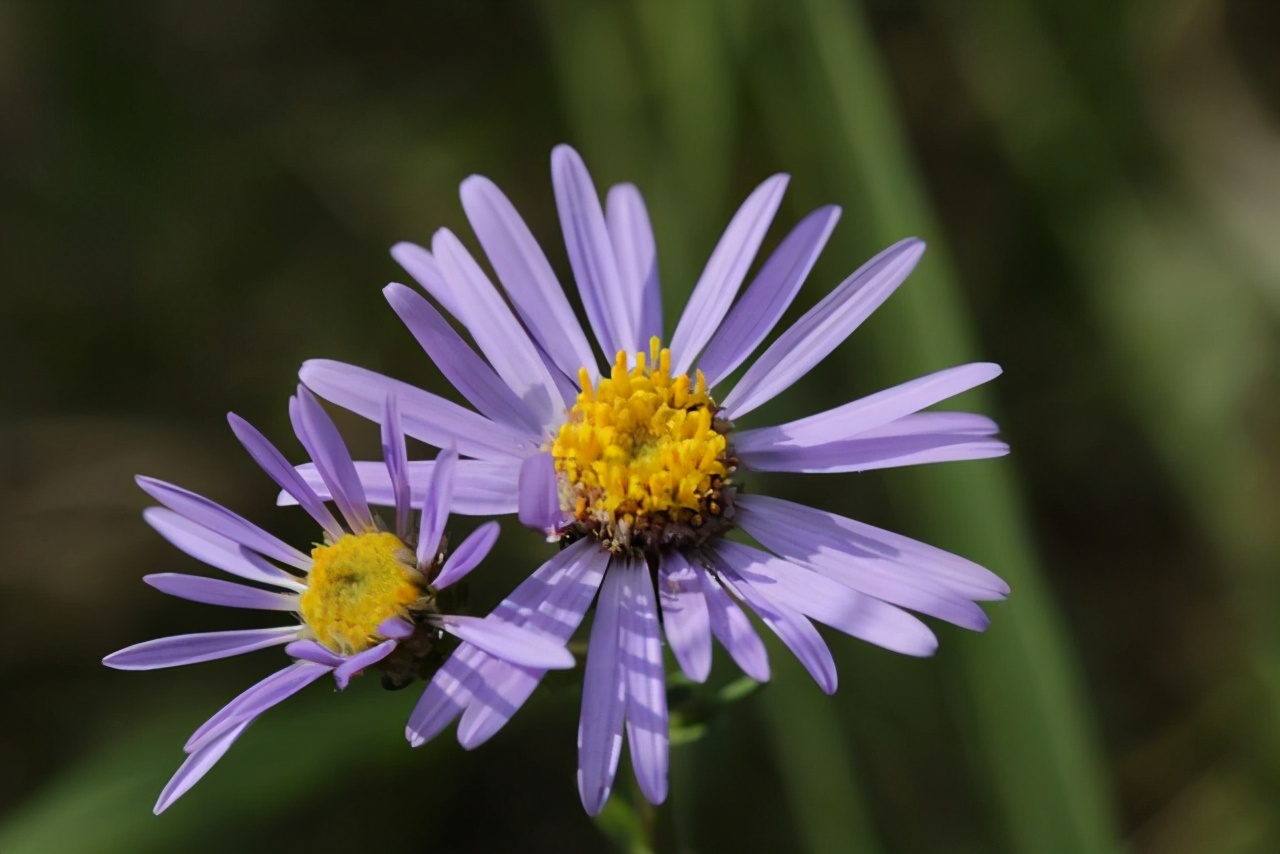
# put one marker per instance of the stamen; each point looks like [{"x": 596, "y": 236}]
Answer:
[{"x": 643, "y": 461}]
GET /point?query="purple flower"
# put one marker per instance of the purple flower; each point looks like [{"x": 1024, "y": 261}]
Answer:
[
  {"x": 365, "y": 598},
  {"x": 634, "y": 462}
]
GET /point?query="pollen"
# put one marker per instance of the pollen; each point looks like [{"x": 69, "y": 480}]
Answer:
[
  {"x": 643, "y": 460},
  {"x": 356, "y": 583}
]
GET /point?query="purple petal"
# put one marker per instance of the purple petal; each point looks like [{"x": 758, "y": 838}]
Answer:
[
  {"x": 396, "y": 628},
  {"x": 221, "y": 521},
  {"x": 553, "y": 600},
  {"x": 827, "y": 601},
  {"x": 353, "y": 665},
  {"x": 418, "y": 263},
  {"x": 396, "y": 457},
  {"x": 877, "y": 410},
  {"x": 435, "y": 507},
  {"x": 724, "y": 273},
  {"x": 480, "y": 487},
  {"x": 825, "y": 539},
  {"x": 612, "y": 310},
  {"x": 467, "y": 555},
  {"x": 875, "y": 453},
  {"x": 216, "y": 550},
  {"x": 684, "y": 616},
  {"x": 646, "y": 682},
  {"x": 732, "y": 628},
  {"x": 633, "y": 246},
  {"x": 256, "y": 699},
  {"x": 319, "y": 435},
  {"x": 193, "y": 649},
  {"x": 603, "y": 692},
  {"x": 425, "y": 416},
  {"x": 791, "y": 627},
  {"x": 527, "y": 277},
  {"x": 508, "y": 642},
  {"x": 497, "y": 332},
  {"x": 958, "y": 423},
  {"x": 868, "y": 572},
  {"x": 197, "y": 765},
  {"x": 215, "y": 592},
  {"x": 539, "y": 494},
  {"x": 468, "y": 373},
  {"x": 278, "y": 469},
  {"x": 314, "y": 652},
  {"x": 768, "y": 296},
  {"x": 823, "y": 328},
  {"x": 445, "y": 696}
]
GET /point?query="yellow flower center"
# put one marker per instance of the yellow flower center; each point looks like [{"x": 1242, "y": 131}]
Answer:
[
  {"x": 643, "y": 461},
  {"x": 356, "y": 583}
]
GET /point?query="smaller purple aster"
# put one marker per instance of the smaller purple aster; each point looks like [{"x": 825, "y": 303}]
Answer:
[{"x": 364, "y": 598}]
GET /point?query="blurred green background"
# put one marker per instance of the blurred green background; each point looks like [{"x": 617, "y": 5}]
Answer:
[{"x": 196, "y": 196}]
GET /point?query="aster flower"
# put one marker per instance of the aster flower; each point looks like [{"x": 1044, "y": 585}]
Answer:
[
  {"x": 634, "y": 461},
  {"x": 366, "y": 597}
]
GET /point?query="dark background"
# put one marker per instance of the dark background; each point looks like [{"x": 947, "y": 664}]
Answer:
[{"x": 196, "y": 196}]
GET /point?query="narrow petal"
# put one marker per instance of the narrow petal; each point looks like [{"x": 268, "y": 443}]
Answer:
[
  {"x": 878, "y": 410},
  {"x": 724, "y": 273},
  {"x": 768, "y": 296},
  {"x": 480, "y": 487},
  {"x": 956, "y": 423},
  {"x": 603, "y": 695},
  {"x": 827, "y": 601},
  {"x": 468, "y": 373},
  {"x": 396, "y": 457},
  {"x": 278, "y": 469},
  {"x": 435, "y": 506},
  {"x": 646, "y": 682},
  {"x": 319, "y": 435},
  {"x": 508, "y": 642},
  {"x": 797, "y": 633},
  {"x": 825, "y": 540},
  {"x": 868, "y": 572},
  {"x": 823, "y": 328},
  {"x": 497, "y": 332},
  {"x": 732, "y": 628},
  {"x": 527, "y": 277},
  {"x": 216, "y": 550},
  {"x": 446, "y": 695},
  {"x": 612, "y": 310},
  {"x": 193, "y": 649},
  {"x": 215, "y": 592},
  {"x": 634, "y": 248},
  {"x": 396, "y": 628},
  {"x": 420, "y": 264},
  {"x": 467, "y": 555},
  {"x": 539, "y": 494},
  {"x": 424, "y": 416},
  {"x": 256, "y": 699},
  {"x": 353, "y": 665},
  {"x": 862, "y": 454},
  {"x": 314, "y": 652},
  {"x": 554, "y": 601},
  {"x": 221, "y": 521},
  {"x": 197, "y": 765},
  {"x": 684, "y": 616}
]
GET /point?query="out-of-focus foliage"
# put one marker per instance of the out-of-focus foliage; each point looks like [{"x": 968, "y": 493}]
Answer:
[{"x": 196, "y": 196}]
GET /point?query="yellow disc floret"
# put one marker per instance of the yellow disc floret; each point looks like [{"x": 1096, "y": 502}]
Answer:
[
  {"x": 356, "y": 583},
  {"x": 643, "y": 458}
]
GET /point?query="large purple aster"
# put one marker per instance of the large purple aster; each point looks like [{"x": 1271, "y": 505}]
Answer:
[
  {"x": 365, "y": 598},
  {"x": 633, "y": 462}
]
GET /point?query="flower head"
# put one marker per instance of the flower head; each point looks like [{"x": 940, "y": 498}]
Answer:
[
  {"x": 365, "y": 597},
  {"x": 629, "y": 455}
]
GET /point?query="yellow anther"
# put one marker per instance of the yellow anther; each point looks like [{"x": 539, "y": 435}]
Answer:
[
  {"x": 355, "y": 584},
  {"x": 640, "y": 445}
]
